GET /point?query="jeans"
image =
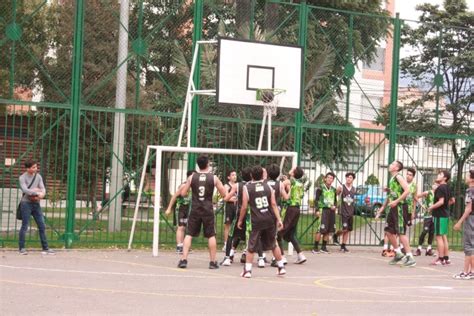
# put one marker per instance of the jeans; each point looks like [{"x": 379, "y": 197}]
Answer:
[{"x": 32, "y": 209}]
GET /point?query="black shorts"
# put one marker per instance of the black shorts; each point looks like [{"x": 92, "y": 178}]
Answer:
[
  {"x": 347, "y": 222},
  {"x": 235, "y": 232},
  {"x": 230, "y": 212},
  {"x": 195, "y": 221},
  {"x": 396, "y": 224},
  {"x": 406, "y": 215},
  {"x": 290, "y": 222},
  {"x": 428, "y": 225},
  {"x": 181, "y": 215},
  {"x": 265, "y": 236},
  {"x": 328, "y": 221}
]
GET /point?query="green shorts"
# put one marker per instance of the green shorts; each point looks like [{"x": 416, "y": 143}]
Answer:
[{"x": 441, "y": 225}]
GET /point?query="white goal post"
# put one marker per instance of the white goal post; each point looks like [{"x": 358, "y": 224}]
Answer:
[{"x": 160, "y": 150}]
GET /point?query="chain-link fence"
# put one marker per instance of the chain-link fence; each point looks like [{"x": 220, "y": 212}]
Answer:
[{"x": 376, "y": 88}]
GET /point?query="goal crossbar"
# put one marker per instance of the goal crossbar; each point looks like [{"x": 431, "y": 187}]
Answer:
[{"x": 157, "y": 200}]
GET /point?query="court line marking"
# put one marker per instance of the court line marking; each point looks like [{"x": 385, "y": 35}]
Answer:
[
  {"x": 227, "y": 297},
  {"x": 379, "y": 291}
]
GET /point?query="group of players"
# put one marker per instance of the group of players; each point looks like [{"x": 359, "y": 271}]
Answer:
[{"x": 263, "y": 210}]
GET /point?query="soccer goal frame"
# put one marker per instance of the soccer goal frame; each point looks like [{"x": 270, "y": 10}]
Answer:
[{"x": 157, "y": 200}]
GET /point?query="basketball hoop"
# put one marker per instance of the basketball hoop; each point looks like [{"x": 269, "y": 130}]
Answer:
[{"x": 270, "y": 99}]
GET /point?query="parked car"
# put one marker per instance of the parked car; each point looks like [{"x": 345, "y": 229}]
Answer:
[{"x": 369, "y": 199}]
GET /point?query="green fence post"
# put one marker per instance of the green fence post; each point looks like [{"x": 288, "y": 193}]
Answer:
[
  {"x": 349, "y": 61},
  {"x": 197, "y": 35},
  {"x": 76, "y": 85},
  {"x": 394, "y": 91},
  {"x": 303, "y": 26}
]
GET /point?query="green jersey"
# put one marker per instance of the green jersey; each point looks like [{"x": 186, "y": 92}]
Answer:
[
  {"x": 429, "y": 200},
  {"x": 396, "y": 189},
  {"x": 411, "y": 196},
  {"x": 296, "y": 192},
  {"x": 183, "y": 201},
  {"x": 326, "y": 197}
]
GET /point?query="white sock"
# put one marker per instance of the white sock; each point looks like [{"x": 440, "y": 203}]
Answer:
[
  {"x": 385, "y": 246},
  {"x": 409, "y": 254},
  {"x": 401, "y": 246},
  {"x": 248, "y": 267},
  {"x": 232, "y": 252},
  {"x": 260, "y": 258},
  {"x": 280, "y": 264},
  {"x": 180, "y": 245},
  {"x": 398, "y": 250},
  {"x": 391, "y": 247},
  {"x": 419, "y": 247},
  {"x": 429, "y": 247}
]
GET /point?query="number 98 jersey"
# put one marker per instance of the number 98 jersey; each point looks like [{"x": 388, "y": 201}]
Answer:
[{"x": 260, "y": 195}]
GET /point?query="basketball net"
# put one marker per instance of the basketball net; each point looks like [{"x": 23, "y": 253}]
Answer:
[{"x": 270, "y": 100}]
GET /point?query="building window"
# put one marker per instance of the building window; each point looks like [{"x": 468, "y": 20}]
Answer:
[
  {"x": 379, "y": 60},
  {"x": 369, "y": 107}
]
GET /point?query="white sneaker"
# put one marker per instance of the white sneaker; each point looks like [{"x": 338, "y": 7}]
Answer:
[
  {"x": 226, "y": 262},
  {"x": 284, "y": 260},
  {"x": 223, "y": 248},
  {"x": 281, "y": 271},
  {"x": 300, "y": 259},
  {"x": 261, "y": 263},
  {"x": 246, "y": 274}
]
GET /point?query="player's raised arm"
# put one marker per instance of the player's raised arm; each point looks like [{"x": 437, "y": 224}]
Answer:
[
  {"x": 187, "y": 185},
  {"x": 220, "y": 187}
]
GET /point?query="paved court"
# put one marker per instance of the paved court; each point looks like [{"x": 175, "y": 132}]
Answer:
[{"x": 89, "y": 282}]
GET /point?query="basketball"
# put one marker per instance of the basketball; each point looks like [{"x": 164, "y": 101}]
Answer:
[{"x": 267, "y": 96}]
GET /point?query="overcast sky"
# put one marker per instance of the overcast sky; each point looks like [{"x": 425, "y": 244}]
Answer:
[{"x": 407, "y": 10}]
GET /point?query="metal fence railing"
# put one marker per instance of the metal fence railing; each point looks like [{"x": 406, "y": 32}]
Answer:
[{"x": 376, "y": 88}]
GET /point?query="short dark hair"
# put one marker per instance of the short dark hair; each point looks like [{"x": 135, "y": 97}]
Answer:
[
  {"x": 330, "y": 174},
  {"x": 257, "y": 172},
  {"x": 446, "y": 174},
  {"x": 298, "y": 173},
  {"x": 400, "y": 165},
  {"x": 189, "y": 173},
  {"x": 30, "y": 163},
  {"x": 273, "y": 171},
  {"x": 229, "y": 172},
  {"x": 471, "y": 174},
  {"x": 246, "y": 174},
  {"x": 351, "y": 174},
  {"x": 412, "y": 170},
  {"x": 203, "y": 162}
]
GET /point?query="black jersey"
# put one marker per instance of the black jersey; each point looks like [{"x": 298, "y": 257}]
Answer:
[
  {"x": 202, "y": 186},
  {"x": 276, "y": 185},
  {"x": 260, "y": 195},
  {"x": 230, "y": 204},
  {"x": 348, "y": 200}
]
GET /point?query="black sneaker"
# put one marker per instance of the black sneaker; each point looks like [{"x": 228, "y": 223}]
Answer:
[
  {"x": 183, "y": 263},
  {"x": 344, "y": 249},
  {"x": 274, "y": 263},
  {"x": 243, "y": 259},
  {"x": 429, "y": 252},
  {"x": 417, "y": 252},
  {"x": 315, "y": 251},
  {"x": 213, "y": 265},
  {"x": 335, "y": 239},
  {"x": 179, "y": 250},
  {"x": 404, "y": 251},
  {"x": 324, "y": 250}
]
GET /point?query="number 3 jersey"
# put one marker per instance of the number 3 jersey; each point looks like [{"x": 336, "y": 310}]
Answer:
[
  {"x": 260, "y": 195},
  {"x": 202, "y": 187}
]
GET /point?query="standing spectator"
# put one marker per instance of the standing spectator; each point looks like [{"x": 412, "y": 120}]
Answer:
[
  {"x": 32, "y": 185},
  {"x": 468, "y": 219}
]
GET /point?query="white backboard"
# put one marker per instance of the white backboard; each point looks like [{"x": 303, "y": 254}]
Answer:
[{"x": 245, "y": 66}]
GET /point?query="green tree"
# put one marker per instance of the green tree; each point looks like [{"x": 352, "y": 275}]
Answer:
[
  {"x": 372, "y": 180},
  {"x": 444, "y": 58}
]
